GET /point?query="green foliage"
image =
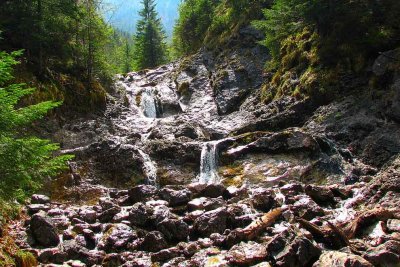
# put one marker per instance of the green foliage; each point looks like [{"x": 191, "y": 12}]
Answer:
[
  {"x": 24, "y": 160},
  {"x": 314, "y": 42},
  {"x": 348, "y": 29},
  {"x": 120, "y": 52},
  {"x": 195, "y": 17},
  {"x": 150, "y": 48},
  {"x": 67, "y": 47},
  {"x": 212, "y": 22}
]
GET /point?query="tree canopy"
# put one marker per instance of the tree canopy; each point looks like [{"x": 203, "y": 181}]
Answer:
[
  {"x": 150, "y": 48},
  {"x": 24, "y": 160}
]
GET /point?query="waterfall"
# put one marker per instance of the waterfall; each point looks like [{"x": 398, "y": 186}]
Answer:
[
  {"x": 148, "y": 103},
  {"x": 209, "y": 164},
  {"x": 149, "y": 169}
]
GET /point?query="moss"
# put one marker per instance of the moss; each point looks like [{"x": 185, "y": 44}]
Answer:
[
  {"x": 11, "y": 255},
  {"x": 138, "y": 99},
  {"x": 183, "y": 89},
  {"x": 25, "y": 259},
  {"x": 297, "y": 73}
]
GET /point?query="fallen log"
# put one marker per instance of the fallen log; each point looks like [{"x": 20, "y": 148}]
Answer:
[{"x": 258, "y": 226}]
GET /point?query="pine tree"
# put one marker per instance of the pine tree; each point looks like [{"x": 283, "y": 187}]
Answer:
[
  {"x": 150, "y": 48},
  {"x": 24, "y": 160}
]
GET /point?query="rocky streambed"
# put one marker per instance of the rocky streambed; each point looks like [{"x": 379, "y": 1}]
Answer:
[{"x": 187, "y": 167}]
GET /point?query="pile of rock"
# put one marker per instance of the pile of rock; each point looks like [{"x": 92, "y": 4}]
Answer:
[{"x": 211, "y": 225}]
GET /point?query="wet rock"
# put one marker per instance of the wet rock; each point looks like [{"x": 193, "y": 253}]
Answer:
[
  {"x": 106, "y": 203},
  {"x": 214, "y": 221},
  {"x": 160, "y": 213},
  {"x": 117, "y": 238},
  {"x": 142, "y": 193},
  {"x": 113, "y": 260},
  {"x": 123, "y": 215},
  {"x": 55, "y": 212},
  {"x": 306, "y": 208},
  {"x": 165, "y": 254},
  {"x": 290, "y": 248},
  {"x": 90, "y": 238},
  {"x": 88, "y": 215},
  {"x": 43, "y": 230},
  {"x": 40, "y": 199},
  {"x": 245, "y": 254},
  {"x": 214, "y": 191},
  {"x": 292, "y": 189},
  {"x": 108, "y": 215},
  {"x": 174, "y": 230},
  {"x": 53, "y": 255},
  {"x": 154, "y": 242},
  {"x": 73, "y": 249},
  {"x": 175, "y": 262},
  {"x": 238, "y": 193},
  {"x": 61, "y": 222},
  {"x": 263, "y": 199},
  {"x": 393, "y": 225},
  {"x": 69, "y": 234},
  {"x": 196, "y": 188},
  {"x": 139, "y": 262},
  {"x": 292, "y": 140},
  {"x": 92, "y": 257},
  {"x": 341, "y": 259},
  {"x": 382, "y": 257},
  {"x": 140, "y": 214},
  {"x": 35, "y": 208},
  {"x": 320, "y": 194},
  {"x": 204, "y": 203},
  {"x": 187, "y": 131},
  {"x": 175, "y": 197}
]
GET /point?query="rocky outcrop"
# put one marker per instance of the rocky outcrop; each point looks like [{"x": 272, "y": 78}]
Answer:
[
  {"x": 295, "y": 184},
  {"x": 43, "y": 231}
]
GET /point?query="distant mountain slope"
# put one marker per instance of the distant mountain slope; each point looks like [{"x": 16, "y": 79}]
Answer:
[{"x": 123, "y": 14}]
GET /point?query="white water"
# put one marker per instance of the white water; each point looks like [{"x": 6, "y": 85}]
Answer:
[
  {"x": 148, "y": 104},
  {"x": 149, "y": 168},
  {"x": 209, "y": 164}
]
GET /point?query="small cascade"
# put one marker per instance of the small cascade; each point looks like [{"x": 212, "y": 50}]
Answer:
[
  {"x": 149, "y": 104},
  {"x": 209, "y": 164},
  {"x": 149, "y": 168}
]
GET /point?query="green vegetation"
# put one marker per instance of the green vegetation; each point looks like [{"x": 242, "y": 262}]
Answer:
[
  {"x": 24, "y": 160},
  {"x": 11, "y": 255},
  {"x": 212, "y": 22},
  {"x": 70, "y": 53},
  {"x": 314, "y": 43},
  {"x": 195, "y": 17},
  {"x": 150, "y": 48}
]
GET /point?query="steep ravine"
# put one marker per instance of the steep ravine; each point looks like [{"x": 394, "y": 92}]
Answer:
[{"x": 188, "y": 168}]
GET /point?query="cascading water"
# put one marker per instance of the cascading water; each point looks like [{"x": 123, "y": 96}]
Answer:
[
  {"x": 209, "y": 164},
  {"x": 149, "y": 103},
  {"x": 149, "y": 168}
]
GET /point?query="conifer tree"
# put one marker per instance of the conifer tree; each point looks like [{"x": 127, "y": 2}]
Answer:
[
  {"x": 150, "y": 48},
  {"x": 24, "y": 160}
]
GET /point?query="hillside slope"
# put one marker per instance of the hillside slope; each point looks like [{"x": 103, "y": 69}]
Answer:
[{"x": 288, "y": 183}]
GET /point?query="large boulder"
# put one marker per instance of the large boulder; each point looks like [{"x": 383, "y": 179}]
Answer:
[
  {"x": 214, "y": 221},
  {"x": 40, "y": 199},
  {"x": 43, "y": 230},
  {"x": 175, "y": 197},
  {"x": 246, "y": 254},
  {"x": 154, "y": 242},
  {"x": 117, "y": 238},
  {"x": 291, "y": 248},
  {"x": 174, "y": 230},
  {"x": 142, "y": 193},
  {"x": 341, "y": 259}
]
